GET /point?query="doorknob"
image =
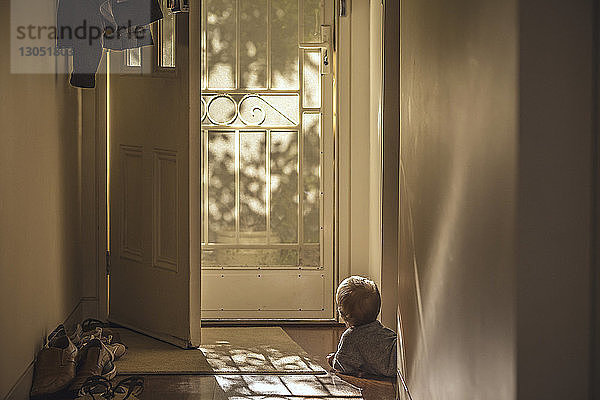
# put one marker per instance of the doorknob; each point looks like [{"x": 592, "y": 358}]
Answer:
[{"x": 325, "y": 46}]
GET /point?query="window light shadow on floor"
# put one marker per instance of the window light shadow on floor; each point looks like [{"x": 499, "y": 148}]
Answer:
[
  {"x": 257, "y": 359},
  {"x": 286, "y": 387}
]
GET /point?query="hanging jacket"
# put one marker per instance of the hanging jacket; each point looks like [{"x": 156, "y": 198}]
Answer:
[{"x": 88, "y": 26}]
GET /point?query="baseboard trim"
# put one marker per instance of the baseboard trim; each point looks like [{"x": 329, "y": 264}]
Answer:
[
  {"x": 86, "y": 307},
  {"x": 300, "y": 323}
]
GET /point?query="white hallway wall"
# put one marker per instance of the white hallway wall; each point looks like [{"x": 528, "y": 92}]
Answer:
[
  {"x": 40, "y": 210},
  {"x": 496, "y": 207}
]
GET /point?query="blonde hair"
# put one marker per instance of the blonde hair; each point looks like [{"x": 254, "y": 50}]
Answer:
[{"x": 358, "y": 300}]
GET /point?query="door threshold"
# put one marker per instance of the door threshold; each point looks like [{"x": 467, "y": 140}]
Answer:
[{"x": 306, "y": 323}]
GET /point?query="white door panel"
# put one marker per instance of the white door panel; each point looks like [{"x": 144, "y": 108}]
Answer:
[
  {"x": 250, "y": 291},
  {"x": 151, "y": 274}
]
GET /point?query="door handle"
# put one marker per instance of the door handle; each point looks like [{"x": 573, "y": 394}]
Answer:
[{"x": 325, "y": 45}]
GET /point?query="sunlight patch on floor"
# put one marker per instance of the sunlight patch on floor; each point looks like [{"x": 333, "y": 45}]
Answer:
[{"x": 306, "y": 386}]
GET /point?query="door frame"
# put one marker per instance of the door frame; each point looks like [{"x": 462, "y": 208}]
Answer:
[
  {"x": 343, "y": 212},
  {"x": 370, "y": 31},
  {"x": 102, "y": 154}
]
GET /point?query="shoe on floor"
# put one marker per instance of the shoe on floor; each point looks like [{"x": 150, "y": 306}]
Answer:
[
  {"x": 129, "y": 388},
  {"x": 75, "y": 336},
  {"x": 117, "y": 349},
  {"x": 56, "y": 333},
  {"x": 93, "y": 359},
  {"x": 95, "y": 388},
  {"x": 55, "y": 366},
  {"x": 91, "y": 324},
  {"x": 109, "y": 371}
]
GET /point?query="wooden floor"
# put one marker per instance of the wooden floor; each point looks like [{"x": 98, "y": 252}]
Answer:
[{"x": 317, "y": 341}]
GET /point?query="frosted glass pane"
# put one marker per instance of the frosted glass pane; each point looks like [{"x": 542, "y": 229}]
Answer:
[
  {"x": 221, "y": 109},
  {"x": 133, "y": 57},
  {"x": 284, "y": 44},
  {"x": 221, "y": 187},
  {"x": 311, "y": 96},
  {"x": 313, "y": 19},
  {"x": 249, "y": 257},
  {"x": 311, "y": 177},
  {"x": 253, "y": 186},
  {"x": 310, "y": 256},
  {"x": 167, "y": 40},
  {"x": 221, "y": 43},
  {"x": 284, "y": 187},
  {"x": 253, "y": 43}
]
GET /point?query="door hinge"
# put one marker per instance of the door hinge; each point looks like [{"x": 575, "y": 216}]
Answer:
[
  {"x": 107, "y": 262},
  {"x": 343, "y": 8}
]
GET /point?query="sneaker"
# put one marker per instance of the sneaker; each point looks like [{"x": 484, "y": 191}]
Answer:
[
  {"x": 88, "y": 336},
  {"x": 91, "y": 324},
  {"x": 75, "y": 336},
  {"x": 55, "y": 366},
  {"x": 117, "y": 349},
  {"x": 93, "y": 360}
]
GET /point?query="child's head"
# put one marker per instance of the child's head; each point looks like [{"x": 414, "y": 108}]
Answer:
[{"x": 358, "y": 300}]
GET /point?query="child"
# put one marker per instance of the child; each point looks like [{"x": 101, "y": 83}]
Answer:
[{"x": 366, "y": 347}]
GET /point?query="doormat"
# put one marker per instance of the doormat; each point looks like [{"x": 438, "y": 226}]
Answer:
[{"x": 232, "y": 350}]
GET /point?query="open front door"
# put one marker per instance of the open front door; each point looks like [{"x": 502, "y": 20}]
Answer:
[{"x": 154, "y": 184}]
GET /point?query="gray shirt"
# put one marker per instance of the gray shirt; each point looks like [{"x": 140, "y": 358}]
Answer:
[{"x": 368, "y": 349}]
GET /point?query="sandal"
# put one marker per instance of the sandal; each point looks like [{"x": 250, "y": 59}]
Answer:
[
  {"x": 129, "y": 388},
  {"x": 95, "y": 388},
  {"x": 109, "y": 371}
]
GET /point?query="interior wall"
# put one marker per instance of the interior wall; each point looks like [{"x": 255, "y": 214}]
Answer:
[
  {"x": 458, "y": 182},
  {"x": 557, "y": 115},
  {"x": 375, "y": 140},
  {"x": 390, "y": 124},
  {"x": 39, "y": 210}
]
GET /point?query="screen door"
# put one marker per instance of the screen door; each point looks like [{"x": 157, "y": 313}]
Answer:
[
  {"x": 267, "y": 151},
  {"x": 154, "y": 278}
]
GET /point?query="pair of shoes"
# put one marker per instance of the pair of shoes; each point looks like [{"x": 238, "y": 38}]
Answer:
[
  {"x": 95, "y": 359},
  {"x": 55, "y": 365},
  {"x": 97, "y": 388}
]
